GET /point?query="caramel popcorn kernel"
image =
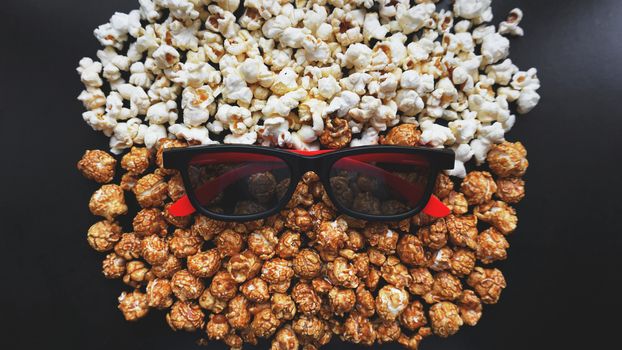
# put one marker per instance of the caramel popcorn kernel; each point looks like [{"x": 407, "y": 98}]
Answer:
[
  {"x": 133, "y": 305},
  {"x": 97, "y": 166},
  {"x": 103, "y": 235},
  {"x": 108, "y": 201}
]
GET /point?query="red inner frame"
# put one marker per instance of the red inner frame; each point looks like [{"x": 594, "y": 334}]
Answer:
[{"x": 183, "y": 206}]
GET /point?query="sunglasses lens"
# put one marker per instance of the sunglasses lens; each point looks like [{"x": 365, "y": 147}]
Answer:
[
  {"x": 380, "y": 184},
  {"x": 238, "y": 184}
]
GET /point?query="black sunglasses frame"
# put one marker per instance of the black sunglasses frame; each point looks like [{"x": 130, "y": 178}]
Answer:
[{"x": 299, "y": 164}]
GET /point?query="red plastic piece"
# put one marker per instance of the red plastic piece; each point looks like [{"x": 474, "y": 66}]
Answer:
[{"x": 436, "y": 208}]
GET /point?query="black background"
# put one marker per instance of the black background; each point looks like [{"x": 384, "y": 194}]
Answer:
[{"x": 563, "y": 270}]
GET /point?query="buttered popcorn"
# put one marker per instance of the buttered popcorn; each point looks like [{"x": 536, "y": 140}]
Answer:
[
  {"x": 280, "y": 73},
  {"x": 307, "y": 75}
]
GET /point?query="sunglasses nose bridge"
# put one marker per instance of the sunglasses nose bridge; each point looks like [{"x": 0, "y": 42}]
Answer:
[{"x": 311, "y": 164}]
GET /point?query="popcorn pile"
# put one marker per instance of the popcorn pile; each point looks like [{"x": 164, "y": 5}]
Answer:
[
  {"x": 307, "y": 274},
  {"x": 307, "y": 74}
]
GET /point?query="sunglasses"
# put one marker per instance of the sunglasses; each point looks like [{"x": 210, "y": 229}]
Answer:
[{"x": 245, "y": 183}]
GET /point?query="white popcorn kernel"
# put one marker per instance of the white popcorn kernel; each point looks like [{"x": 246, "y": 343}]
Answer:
[
  {"x": 140, "y": 76},
  {"x": 300, "y": 140},
  {"x": 98, "y": 120},
  {"x": 384, "y": 116},
  {"x": 445, "y": 21},
  {"x": 315, "y": 17},
  {"x": 229, "y": 5},
  {"x": 111, "y": 73},
  {"x": 368, "y": 107},
  {"x": 250, "y": 19},
  {"x": 313, "y": 109},
  {"x": 462, "y": 26},
  {"x": 368, "y": 137},
  {"x": 115, "y": 108},
  {"x": 476, "y": 10},
  {"x": 342, "y": 103},
  {"x": 463, "y": 153},
  {"x": 273, "y": 130},
  {"x": 163, "y": 90},
  {"x": 283, "y": 105},
  {"x": 197, "y": 134},
  {"x": 196, "y": 75},
  {"x": 293, "y": 37},
  {"x": 347, "y": 25},
  {"x": 357, "y": 56},
  {"x": 265, "y": 8},
  {"x": 510, "y": 94},
  {"x": 108, "y": 36},
  {"x": 527, "y": 101},
  {"x": 409, "y": 102},
  {"x": 162, "y": 113},
  {"x": 387, "y": 86},
  {"x": 235, "y": 89},
  {"x": 464, "y": 129},
  {"x": 459, "y": 42},
  {"x": 153, "y": 134},
  {"x": 508, "y": 124},
  {"x": 278, "y": 59},
  {"x": 127, "y": 23},
  {"x": 356, "y": 82},
  {"x": 92, "y": 98},
  {"x": 285, "y": 81},
  {"x": 315, "y": 50},
  {"x": 237, "y": 119},
  {"x": 461, "y": 77},
  {"x": 446, "y": 92},
  {"x": 436, "y": 135},
  {"x": 139, "y": 100},
  {"x": 511, "y": 25},
  {"x": 107, "y": 55},
  {"x": 222, "y": 21},
  {"x": 89, "y": 71},
  {"x": 488, "y": 111},
  {"x": 388, "y": 8},
  {"x": 526, "y": 80},
  {"x": 182, "y": 9},
  {"x": 125, "y": 134},
  {"x": 486, "y": 137},
  {"x": 372, "y": 29},
  {"x": 195, "y": 102},
  {"x": 253, "y": 70},
  {"x": 165, "y": 56},
  {"x": 274, "y": 27},
  {"x": 324, "y": 32},
  {"x": 184, "y": 34},
  {"x": 480, "y": 149},
  {"x": 328, "y": 87},
  {"x": 420, "y": 50},
  {"x": 215, "y": 126},
  {"x": 241, "y": 43},
  {"x": 503, "y": 72},
  {"x": 495, "y": 47},
  {"x": 482, "y": 31},
  {"x": 413, "y": 19},
  {"x": 422, "y": 83},
  {"x": 148, "y": 11},
  {"x": 248, "y": 138}
]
